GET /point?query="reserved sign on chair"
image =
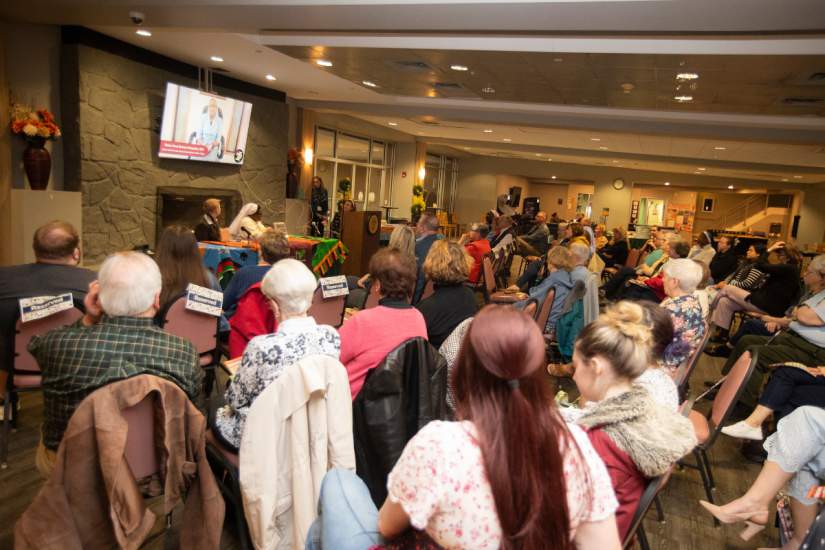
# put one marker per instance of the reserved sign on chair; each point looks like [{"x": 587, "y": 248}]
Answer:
[
  {"x": 204, "y": 300},
  {"x": 39, "y": 307},
  {"x": 334, "y": 286}
]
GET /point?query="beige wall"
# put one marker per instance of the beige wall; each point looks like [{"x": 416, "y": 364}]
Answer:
[
  {"x": 549, "y": 195},
  {"x": 812, "y": 217},
  {"x": 5, "y": 160}
]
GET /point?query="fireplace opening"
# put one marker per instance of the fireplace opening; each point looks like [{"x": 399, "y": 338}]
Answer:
[{"x": 184, "y": 206}]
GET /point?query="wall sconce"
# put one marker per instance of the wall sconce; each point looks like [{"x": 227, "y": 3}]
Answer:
[
  {"x": 307, "y": 155},
  {"x": 422, "y": 173}
]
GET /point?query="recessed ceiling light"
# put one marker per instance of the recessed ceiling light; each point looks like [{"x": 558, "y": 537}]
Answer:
[
  {"x": 701, "y": 169},
  {"x": 459, "y": 67},
  {"x": 323, "y": 62},
  {"x": 730, "y": 186},
  {"x": 508, "y": 140},
  {"x": 369, "y": 83},
  {"x": 667, "y": 183},
  {"x": 270, "y": 77},
  {"x": 602, "y": 148},
  {"x": 393, "y": 123},
  {"x": 797, "y": 177},
  {"x": 143, "y": 32},
  {"x": 217, "y": 59},
  {"x": 683, "y": 98},
  {"x": 488, "y": 90},
  {"x": 538, "y": 154},
  {"x": 720, "y": 148},
  {"x": 549, "y": 160},
  {"x": 558, "y": 59},
  {"x": 615, "y": 162},
  {"x": 552, "y": 177},
  {"x": 595, "y": 139},
  {"x": 487, "y": 131},
  {"x": 784, "y": 179},
  {"x": 687, "y": 76}
]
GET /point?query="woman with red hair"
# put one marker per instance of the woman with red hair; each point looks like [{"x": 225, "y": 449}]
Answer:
[{"x": 509, "y": 473}]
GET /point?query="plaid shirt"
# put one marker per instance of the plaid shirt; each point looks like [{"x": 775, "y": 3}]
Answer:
[{"x": 76, "y": 360}]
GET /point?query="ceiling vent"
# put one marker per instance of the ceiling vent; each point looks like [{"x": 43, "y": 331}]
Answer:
[
  {"x": 452, "y": 89},
  {"x": 411, "y": 66},
  {"x": 803, "y": 101}
]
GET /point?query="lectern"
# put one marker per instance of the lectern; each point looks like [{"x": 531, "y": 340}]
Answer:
[{"x": 360, "y": 232}]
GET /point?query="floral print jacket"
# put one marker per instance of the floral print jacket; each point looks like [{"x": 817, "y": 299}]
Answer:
[
  {"x": 264, "y": 359},
  {"x": 688, "y": 329}
]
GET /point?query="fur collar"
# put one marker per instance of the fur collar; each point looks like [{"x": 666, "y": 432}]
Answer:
[{"x": 654, "y": 437}]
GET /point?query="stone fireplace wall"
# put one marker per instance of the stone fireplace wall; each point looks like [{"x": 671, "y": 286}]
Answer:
[{"x": 114, "y": 160}]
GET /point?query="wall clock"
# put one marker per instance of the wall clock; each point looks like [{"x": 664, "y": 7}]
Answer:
[{"x": 618, "y": 184}]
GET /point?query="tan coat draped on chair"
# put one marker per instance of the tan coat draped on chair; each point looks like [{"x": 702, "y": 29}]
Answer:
[
  {"x": 299, "y": 427},
  {"x": 92, "y": 499}
]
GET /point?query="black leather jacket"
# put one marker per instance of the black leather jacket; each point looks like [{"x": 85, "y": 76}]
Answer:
[{"x": 401, "y": 395}]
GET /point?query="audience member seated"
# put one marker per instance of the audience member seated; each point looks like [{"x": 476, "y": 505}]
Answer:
[
  {"x": 247, "y": 224},
  {"x": 600, "y": 239},
  {"x": 725, "y": 261},
  {"x": 795, "y": 464},
  {"x": 506, "y": 497},
  {"x": 426, "y": 231},
  {"x": 615, "y": 253},
  {"x": 209, "y": 228},
  {"x": 747, "y": 275},
  {"x": 803, "y": 341},
  {"x": 503, "y": 234},
  {"x": 535, "y": 241},
  {"x": 655, "y": 379},
  {"x": 477, "y": 246},
  {"x": 703, "y": 250},
  {"x": 289, "y": 286},
  {"x": 273, "y": 246},
  {"x": 55, "y": 271},
  {"x": 116, "y": 339},
  {"x": 652, "y": 261},
  {"x": 777, "y": 293},
  {"x": 335, "y": 227},
  {"x": 649, "y": 267},
  {"x": 637, "y": 438},
  {"x": 652, "y": 288},
  {"x": 180, "y": 265},
  {"x": 681, "y": 276},
  {"x": 449, "y": 351},
  {"x": 447, "y": 266},
  {"x": 402, "y": 238},
  {"x": 579, "y": 258},
  {"x": 369, "y": 335},
  {"x": 558, "y": 279},
  {"x": 575, "y": 234}
]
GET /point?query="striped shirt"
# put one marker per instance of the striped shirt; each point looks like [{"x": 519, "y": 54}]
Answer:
[{"x": 76, "y": 360}]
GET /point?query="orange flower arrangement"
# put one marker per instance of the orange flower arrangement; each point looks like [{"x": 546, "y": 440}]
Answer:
[{"x": 33, "y": 124}]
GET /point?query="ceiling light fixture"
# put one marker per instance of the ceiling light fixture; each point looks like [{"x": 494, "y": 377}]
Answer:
[
  {"x": 667, "y": 184},
  {"x": 730, "y": 186},
  {"x": 784, "y": 179},
  {"x": 797, "y": 177},
  {"x": 701, "y": 169},
  {"x": 487, "y": 131},
  {"x": 392, "y": 123},
  {"x": 488, "y": 90},
  {"x": 595, "y": 139},
  {"x": 720, "y": 148},
  {"x": 552, "y": 177},
  {"x": 270, "y": 77},
  {"x": 683, "y": 98},
  {"x": 323, "y": 62},
  {"x": 508, "y": 140},
  {"x": 558, "y": 59},
  {"x": 687, "y": 76},
  {"x": 217, "y": 59},
  {"x": 459, "y": 67},
  {"x": 143, "y": 32},
  {"x": 602, "y": 148},
  {"x": 369, "y": 83},
  {"x": 538, "y": 154}
]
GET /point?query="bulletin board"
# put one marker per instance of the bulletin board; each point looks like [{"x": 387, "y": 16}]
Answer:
[{"x": 680, "y": 216}]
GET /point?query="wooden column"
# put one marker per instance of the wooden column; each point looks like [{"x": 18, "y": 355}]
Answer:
[{"x": 5, "y": 161}]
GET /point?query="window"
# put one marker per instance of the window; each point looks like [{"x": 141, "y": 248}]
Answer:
[
  {"x": 440, "y": 182},
  {"x": 365, "y": 162}
]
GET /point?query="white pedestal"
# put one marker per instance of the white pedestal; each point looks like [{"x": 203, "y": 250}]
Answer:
[{"x": 31, "y": 209}]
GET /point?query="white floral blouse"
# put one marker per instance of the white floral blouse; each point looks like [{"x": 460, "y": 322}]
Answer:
[
  {"x": 441, "y": 483},
  {"x": 264, "y": 359}
]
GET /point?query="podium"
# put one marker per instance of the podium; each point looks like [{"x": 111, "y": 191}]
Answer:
[{"x": 360, "y": 232}]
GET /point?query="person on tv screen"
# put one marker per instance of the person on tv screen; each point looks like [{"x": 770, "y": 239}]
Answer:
[{"x": 209, "y": 130}]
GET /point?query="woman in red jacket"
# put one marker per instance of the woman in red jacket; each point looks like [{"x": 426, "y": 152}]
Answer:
[{"x": 636, "y": 438}]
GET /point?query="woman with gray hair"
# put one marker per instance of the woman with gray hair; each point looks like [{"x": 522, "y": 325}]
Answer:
[
  {"x": 288, "y": 286},
  {"x": 681, "y": 277}
]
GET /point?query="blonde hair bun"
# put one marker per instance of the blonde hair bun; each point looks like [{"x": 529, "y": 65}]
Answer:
[{"x": 630, "y": 320}]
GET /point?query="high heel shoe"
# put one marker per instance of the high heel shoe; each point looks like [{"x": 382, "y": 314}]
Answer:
[{"x": 754, "y": 521}]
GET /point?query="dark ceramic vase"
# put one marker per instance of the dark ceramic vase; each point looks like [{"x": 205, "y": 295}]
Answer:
[{"x": 38, "y": 163}]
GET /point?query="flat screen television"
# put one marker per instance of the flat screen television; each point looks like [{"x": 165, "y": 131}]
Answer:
[{"x": 198, "y": 125}]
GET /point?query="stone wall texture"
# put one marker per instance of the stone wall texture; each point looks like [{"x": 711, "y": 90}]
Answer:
[{"x": 120, "y": 105}]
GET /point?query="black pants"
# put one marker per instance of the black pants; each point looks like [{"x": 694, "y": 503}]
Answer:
[
  {"x": 637, "y": 293},
  {"x": 787, "y": 346},
  {"x": 789, "y": 388},
  {"x": 750, "y": 327},
  {"x": 616, "y": 283},
  {"x": 317, "y": 228},
  {"x": 531, "y": 273}
]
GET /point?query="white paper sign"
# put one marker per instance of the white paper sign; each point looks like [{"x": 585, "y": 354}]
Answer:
[
  {"x": 39, "y": 307},
  {"x": 204, "y": 300},
  {"x": 334, "y": 286}
]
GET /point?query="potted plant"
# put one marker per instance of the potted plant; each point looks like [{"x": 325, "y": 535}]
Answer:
[
  {"x": 36, "y": 127},
  {"x": 418, "y": 202},
  {"x": 344, "y": 187}
]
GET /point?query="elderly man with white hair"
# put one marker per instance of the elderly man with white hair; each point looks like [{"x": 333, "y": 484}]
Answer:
[
  {"x": 288, "y": 286},
  {"x": 681, "y": 277},
  {"x": 116, "y": 339},
  {"x": 580, "y": 258}
]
